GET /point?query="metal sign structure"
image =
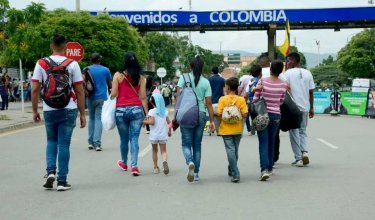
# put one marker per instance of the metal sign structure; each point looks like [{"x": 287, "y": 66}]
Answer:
[{"x": 248, "y": 19}]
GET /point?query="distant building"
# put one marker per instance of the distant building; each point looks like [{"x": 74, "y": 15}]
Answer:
[
  {"x": 237, "y": 61},
  {"x": 229, "y": 72}
]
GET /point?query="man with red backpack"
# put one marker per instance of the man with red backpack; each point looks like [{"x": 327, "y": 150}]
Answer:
[{"x": 60, "y": 81}]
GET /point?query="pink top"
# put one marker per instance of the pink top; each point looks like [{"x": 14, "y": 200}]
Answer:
[
  {"x": 273, "y": 93},
  {"x": 126, "y": 95}
]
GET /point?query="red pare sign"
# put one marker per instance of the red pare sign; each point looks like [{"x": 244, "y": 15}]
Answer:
[{"x": 74, "y": 51}]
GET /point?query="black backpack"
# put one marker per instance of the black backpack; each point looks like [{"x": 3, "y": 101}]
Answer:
[
  {"x": 88, "y": 82},
  {"x": 56, "y": 91}
]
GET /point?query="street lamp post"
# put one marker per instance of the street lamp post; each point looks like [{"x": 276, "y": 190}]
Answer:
[
  {"x": 78, "y": 5},
  {"x": 190, "y": 31},
  {"x": 318, "y": 45}
]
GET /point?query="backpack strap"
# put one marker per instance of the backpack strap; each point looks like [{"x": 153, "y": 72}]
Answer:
[
  {"x": 188, "y": 80},
  {"x": 235, "y": 100},
  {"x": 66, "y": 62},
  {"x": 50, "y": 63}
]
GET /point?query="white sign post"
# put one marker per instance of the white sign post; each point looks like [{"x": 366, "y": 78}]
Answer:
[
  {"x": 161, "y": 72},
  {"x": 21, "y": 87}
]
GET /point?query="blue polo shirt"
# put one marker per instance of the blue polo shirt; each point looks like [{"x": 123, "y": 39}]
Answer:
[
  {"x": 217, "y": 85},
  {"x": 101, "y": 75}
]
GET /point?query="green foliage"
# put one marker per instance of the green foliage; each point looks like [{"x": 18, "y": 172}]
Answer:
[
  {"x": 280, "y": 56},
  {"x": 210, "y": 59},
  {"x": 246, "y": 70},
  {"x": 163, "y": 50},
  {"x": 330, "y": 75},
  {"x": 29, "y": 39},
  {"x": 358, "y": 56},
  {"x": 328, "y": 61},
  {"x": 4, "y": 6}
]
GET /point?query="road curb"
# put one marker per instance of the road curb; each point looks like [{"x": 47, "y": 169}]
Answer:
[{"x": 20, "y": 126}]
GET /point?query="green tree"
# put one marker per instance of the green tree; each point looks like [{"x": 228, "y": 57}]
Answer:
[
  {"x": 358, "y": 56},
  {"x": 210, "y": 59},
  {"x": 163, "y": 50},
  {"x": 246, "y": 69},
  {"x": 280, "y": 56},
  {"x": 20, "y": 35},
  {"x": 328, "y": 61},
  {"x": 111, "y": 37},
  {"x": 330, "y": 75}
]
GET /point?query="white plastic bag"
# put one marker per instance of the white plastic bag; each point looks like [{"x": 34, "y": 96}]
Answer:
[{"x": 109, "y": 114}]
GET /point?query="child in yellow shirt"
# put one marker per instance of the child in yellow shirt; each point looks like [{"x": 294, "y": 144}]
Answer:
[{"x": 231, "y": 130}]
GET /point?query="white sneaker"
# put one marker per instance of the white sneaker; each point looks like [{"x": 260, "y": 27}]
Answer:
[
  {"x": 48, "y": 185},
  {"x": 190, "y": 175},
  {"x": 270, "y": 173},
  {"x": 305, "y": 158},
  {"x": 299, "y": 163},
  {"x": 264, "y": 176}
]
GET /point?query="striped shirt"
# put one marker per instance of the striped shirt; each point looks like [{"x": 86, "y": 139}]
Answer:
[{"x": 273, "y": 93}]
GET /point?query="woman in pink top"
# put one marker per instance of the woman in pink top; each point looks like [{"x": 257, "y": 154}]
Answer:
[
  {"x": 130, "y": 89},
  {"x": 273, "y": 91}
]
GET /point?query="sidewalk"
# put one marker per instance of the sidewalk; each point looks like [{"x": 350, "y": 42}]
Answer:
[{"x": 14, "y": 118}]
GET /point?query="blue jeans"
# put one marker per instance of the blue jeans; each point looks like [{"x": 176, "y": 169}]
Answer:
[
  {"x": 95, "y": 121},
  {"x": 232, "y": 143},
  {"x": 192, "y": 141},
  {"x": 129, "y": 123},
  {"x": 298, "y": 138},
  {"x": 59, "y": 127},
  {"x": 267, "y": 141}
]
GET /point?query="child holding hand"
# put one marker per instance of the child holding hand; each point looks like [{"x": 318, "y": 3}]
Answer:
[{"x": 160, "y": 130}]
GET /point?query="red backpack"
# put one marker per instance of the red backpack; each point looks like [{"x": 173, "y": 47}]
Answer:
[{"x": 56, "y": 90}]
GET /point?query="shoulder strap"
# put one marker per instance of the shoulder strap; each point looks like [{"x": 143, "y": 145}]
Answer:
[
  {"x": 187, "y": 80},
  {"x": 131, "y": 85},
  {"x": 66, "y": 62},
  {"x": 235, "y": 100},
  {"x": 49, "y": 62}
]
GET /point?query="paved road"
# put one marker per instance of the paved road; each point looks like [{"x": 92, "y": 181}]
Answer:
[{"x": 339, "y": 184}]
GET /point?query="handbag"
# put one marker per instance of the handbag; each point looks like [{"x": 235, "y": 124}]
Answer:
[
  {"x": 259, "y": 114},
  {"x": 291, "y": 116}
]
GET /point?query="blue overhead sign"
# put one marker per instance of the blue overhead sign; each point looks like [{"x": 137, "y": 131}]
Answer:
[{"x": 245, "y": 16}]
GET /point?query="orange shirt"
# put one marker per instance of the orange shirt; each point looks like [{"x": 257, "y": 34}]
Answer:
[{"x": 231, "y": 129}]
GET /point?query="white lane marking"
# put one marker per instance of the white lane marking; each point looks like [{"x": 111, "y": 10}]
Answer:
[
  {"x": 19, "y": 131},
  {"x": 145, "y": 151},
  {"x": 328, "y": 144}
]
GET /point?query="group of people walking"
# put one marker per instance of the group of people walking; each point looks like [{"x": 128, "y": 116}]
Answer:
[
  {"x": 265, "y": 80},
  {"x": 139, "y": 102}
]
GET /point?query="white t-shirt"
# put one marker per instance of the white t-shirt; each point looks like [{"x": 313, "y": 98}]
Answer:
[
  {"x": 266, "y": 72},
  {"x": 75, "y": 77},
  {"x": 244, "y": 83},
  {"x": 158, "y": 131},
  {"x": 301, "y": 82}
]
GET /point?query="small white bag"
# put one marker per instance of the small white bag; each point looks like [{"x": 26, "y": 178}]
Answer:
[{"x": 109, "y": 114}]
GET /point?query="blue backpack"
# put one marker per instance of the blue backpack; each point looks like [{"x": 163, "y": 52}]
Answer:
[{"x": 187, "y": 111}]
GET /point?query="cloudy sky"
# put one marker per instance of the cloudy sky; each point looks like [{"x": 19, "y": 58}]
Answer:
[{"x": 251, "y": 41}]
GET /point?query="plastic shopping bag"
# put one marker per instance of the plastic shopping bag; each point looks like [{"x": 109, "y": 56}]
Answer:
[{"x": 109, "y": 114}]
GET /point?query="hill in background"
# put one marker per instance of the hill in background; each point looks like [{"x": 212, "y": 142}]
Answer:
[{"x": 311, "y": 58}]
